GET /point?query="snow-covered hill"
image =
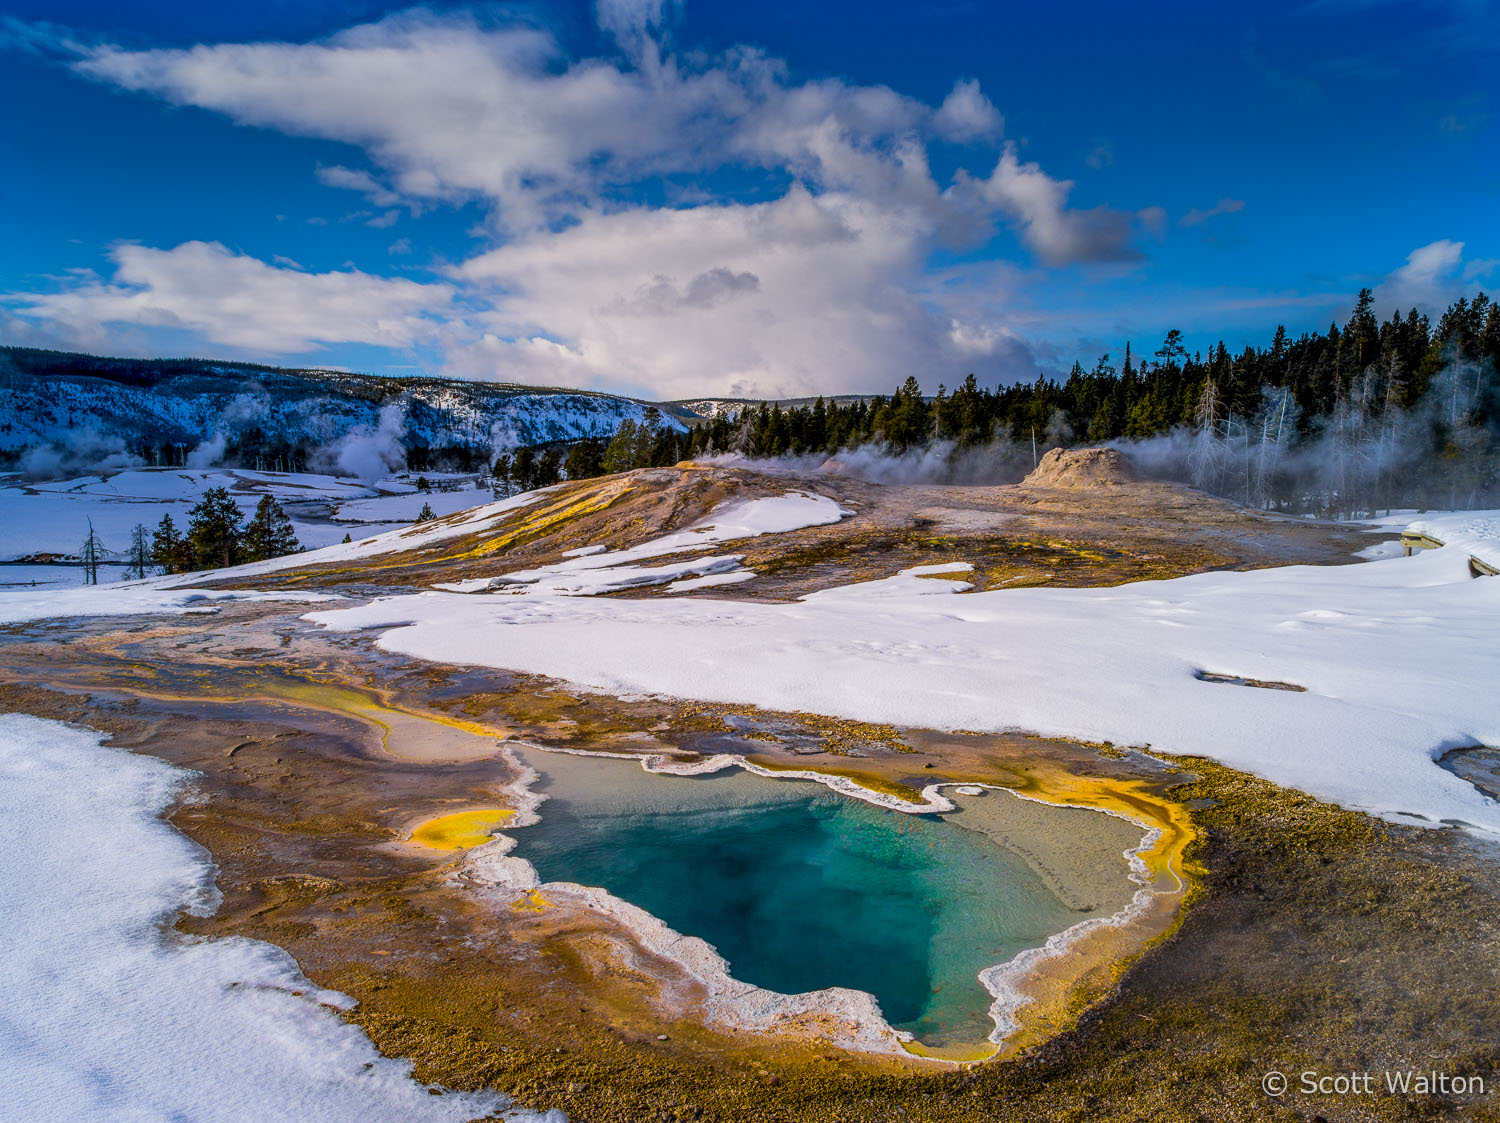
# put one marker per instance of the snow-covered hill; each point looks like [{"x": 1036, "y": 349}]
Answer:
[{"x": 81, "y": 412}]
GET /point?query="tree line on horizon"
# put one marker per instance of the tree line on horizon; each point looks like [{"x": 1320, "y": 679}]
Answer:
[{"x": 1404, "y": 412}]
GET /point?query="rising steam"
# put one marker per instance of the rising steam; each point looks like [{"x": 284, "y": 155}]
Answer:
[{"x": 369, "y": 452}]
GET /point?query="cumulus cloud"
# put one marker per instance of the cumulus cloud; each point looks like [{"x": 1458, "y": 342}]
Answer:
[
  {"x": 53, "y": 335},
  {"x": 826, "y": 285},
  {"x": 1432, "y": 278},
  {"x": 967, "y": 115},
  {"x": 240, "y": 301},
  {"x": 451, "y": 109},
  {"x": 1037, "y": 204},
  {"x": 767, "y": 297}
]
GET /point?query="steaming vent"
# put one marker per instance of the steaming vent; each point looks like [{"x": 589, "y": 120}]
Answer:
[{"x": 1079, "y": 468}]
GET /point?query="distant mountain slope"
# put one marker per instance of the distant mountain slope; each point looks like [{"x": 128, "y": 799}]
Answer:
[
  {"x": 161, "y": 409},
  {"x": 703, "y": 409}
]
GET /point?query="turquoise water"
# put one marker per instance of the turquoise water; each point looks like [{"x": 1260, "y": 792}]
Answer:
[{"x": 800, "y": 888}]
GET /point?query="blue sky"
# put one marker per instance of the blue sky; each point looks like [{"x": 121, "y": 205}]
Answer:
[{"x": 694, "y": 199}]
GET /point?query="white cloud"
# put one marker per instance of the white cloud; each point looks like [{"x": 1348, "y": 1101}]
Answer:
[
  {"x": 1037, "y": 204},
  {"x": 453, "y": 109},
  {"x": 54, "y": 335},
  {"x": 1434, "y": 276},
  {"x": 239, "y": 301},
  {"x": 783, "y": 298},
  {"x": 450, "y": 108},
  {"x": 826, "y": 287},
  {"x": 633, "y": 24},
  {"x": 352, "y": 179},
  {"x": 1195, "y": 217},
  {"x": 967, "y": 115}
]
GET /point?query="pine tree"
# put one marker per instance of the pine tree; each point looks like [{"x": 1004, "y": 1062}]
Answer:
[
  {"x": 214, "y": 529},
  {"x": 907, "y": 422},
  {"x": 1172, "y": 351},
  {"x": 585, "y": 459},
  {"x": 426, "y": 514},
  {"x": 347, "y": 539},
  {"x": 522, "y": 467},
  {"x": 168, "y": 550},
  {"x": 619, "y": 454},
  {"x": 269, "y": 534},
  {"x": 548, "y": 468},
  {"x": 817, "y": 426}
]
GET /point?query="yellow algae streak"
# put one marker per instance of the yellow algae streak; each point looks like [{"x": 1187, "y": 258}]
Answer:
[
  {"x": 531, "y": 901},
  {"x": 958, "y": 1054},
  {"x": 520, "y": 525},
  {"x": 530, "y": 522},
  {"x": 1059, "y": 988},
  {"x": 403, "y": 733},
  {"x": 461, "y": 830},
  {"x": 1134, "y": 800}
]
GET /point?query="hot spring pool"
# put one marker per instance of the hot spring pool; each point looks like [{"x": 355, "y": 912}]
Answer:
[{"x": 801, "y": 888}]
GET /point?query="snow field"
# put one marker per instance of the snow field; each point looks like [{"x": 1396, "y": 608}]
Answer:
[
  {"x": 107, "y": 1013},
  {"x": 1398, "y": 660}
]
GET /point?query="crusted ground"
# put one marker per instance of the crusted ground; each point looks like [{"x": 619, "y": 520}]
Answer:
[
  {"x": 1318, "y": 939},
  {"x": 1026, "y": 534}
]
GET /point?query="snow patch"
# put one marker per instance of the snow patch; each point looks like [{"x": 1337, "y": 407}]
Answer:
[
  {"x": 711, "y": 581},
  {"x": 1398, "y": 658},
  {"x": 591, "y": 570},
  {"x": 1474, "y": 533},
  {"x": 132, "y": 598},
  {"x": 108, "y": 1013}
]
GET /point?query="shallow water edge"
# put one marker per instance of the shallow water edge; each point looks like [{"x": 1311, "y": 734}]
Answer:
[{"x": 849, "y": 1018}]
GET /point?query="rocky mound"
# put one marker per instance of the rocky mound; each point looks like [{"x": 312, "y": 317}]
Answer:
[{"x": 1080, "y": 467}]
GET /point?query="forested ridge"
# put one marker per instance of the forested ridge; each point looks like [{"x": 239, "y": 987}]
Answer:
[
  {"x": 1373, "y": 414},
  {"x": 65, "y": 413}
]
